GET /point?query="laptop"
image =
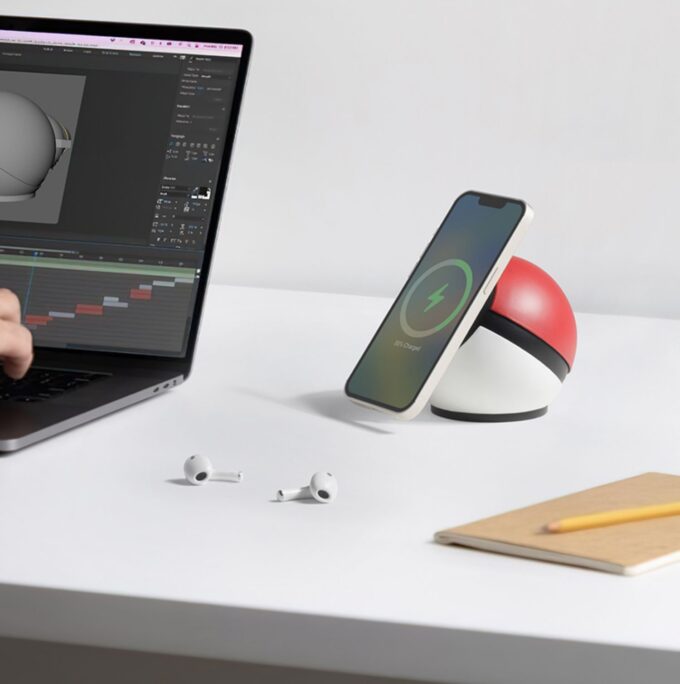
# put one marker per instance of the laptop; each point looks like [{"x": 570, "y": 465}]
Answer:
[{"x": 115, "y": 142}]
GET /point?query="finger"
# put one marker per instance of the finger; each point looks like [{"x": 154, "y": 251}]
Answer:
[
  {"x": 16, "y": 349},
  {"x": 17, "y": 368},
  {"x": 10, "y": 308}
]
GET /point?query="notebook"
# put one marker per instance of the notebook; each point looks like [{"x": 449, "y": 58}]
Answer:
[{"x": 627, "y": 549}]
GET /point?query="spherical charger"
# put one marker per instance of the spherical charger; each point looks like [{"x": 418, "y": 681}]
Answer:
[
  {"x": 517, "y": 355},
  {"x": 31, "y": 143}
]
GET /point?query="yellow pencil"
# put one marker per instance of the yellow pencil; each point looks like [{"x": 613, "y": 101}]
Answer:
[{"x": 622, "y": 515}]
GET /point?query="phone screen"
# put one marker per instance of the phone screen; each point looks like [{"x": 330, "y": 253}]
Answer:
[{"x": 434, "y": 300}]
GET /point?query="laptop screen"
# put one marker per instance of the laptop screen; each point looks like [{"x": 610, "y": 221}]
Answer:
[{"x": 110, "y": 151}]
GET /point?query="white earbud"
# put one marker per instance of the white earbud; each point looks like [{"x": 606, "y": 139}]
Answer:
[
  {"x": 323, "y": 487},
  {"x": 198, "y": 470}
]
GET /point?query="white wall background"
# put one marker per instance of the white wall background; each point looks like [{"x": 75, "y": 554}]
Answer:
[{"x": 364, "y": 119}]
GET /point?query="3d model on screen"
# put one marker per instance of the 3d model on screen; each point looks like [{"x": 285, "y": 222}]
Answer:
[{"x": 31, "y": 143}]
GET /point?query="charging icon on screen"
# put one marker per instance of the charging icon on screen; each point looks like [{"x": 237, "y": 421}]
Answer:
[
  {"x": 436, "y": 298},
  {"x": 415, "y": 317}
]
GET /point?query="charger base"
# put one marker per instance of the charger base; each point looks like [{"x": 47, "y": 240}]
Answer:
[{"x": 488, "y": 417}]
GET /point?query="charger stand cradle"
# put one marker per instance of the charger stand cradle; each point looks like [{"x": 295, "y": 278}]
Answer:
[{"x": 517, "y": 355}]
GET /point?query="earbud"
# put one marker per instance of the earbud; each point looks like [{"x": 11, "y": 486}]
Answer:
[
  {"x": 323, "y": 487},
  {"x": 198, "y": 470}
]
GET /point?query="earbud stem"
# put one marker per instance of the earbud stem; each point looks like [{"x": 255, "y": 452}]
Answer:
[
  {"x": 228, "y": 477},
  {"x": 292, "y": 494}
]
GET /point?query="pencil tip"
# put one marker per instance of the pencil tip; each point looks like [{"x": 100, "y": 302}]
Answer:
[{"x": 552, "y": 527}]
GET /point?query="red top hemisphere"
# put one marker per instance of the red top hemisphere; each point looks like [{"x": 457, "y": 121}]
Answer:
[{"x": 528, "y": 296}]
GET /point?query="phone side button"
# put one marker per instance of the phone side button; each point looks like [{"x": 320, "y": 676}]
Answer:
[{"x": 490, "y": 282}]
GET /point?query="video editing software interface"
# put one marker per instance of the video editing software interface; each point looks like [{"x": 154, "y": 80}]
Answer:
[{"x": 110, "y": 149}]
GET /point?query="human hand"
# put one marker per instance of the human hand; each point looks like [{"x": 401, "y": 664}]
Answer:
[{"x": 16, "y": 341}]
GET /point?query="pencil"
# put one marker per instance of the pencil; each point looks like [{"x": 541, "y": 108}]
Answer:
[{"x": 622, "y": 515}]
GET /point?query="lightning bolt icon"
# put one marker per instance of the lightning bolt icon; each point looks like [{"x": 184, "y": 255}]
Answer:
[{"x": 436, "y": 297}]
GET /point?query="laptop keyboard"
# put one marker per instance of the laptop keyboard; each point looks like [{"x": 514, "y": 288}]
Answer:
[{"x": 40, "y": 384}]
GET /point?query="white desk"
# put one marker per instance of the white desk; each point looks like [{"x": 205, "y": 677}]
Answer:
[{"x": 103, "y": 544}]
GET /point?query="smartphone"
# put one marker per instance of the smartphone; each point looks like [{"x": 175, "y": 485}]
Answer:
[{"x": 439, "y": 303}]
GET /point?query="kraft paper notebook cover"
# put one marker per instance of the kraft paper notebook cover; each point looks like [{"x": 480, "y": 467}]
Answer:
[{"x": 627, "y": 549}]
